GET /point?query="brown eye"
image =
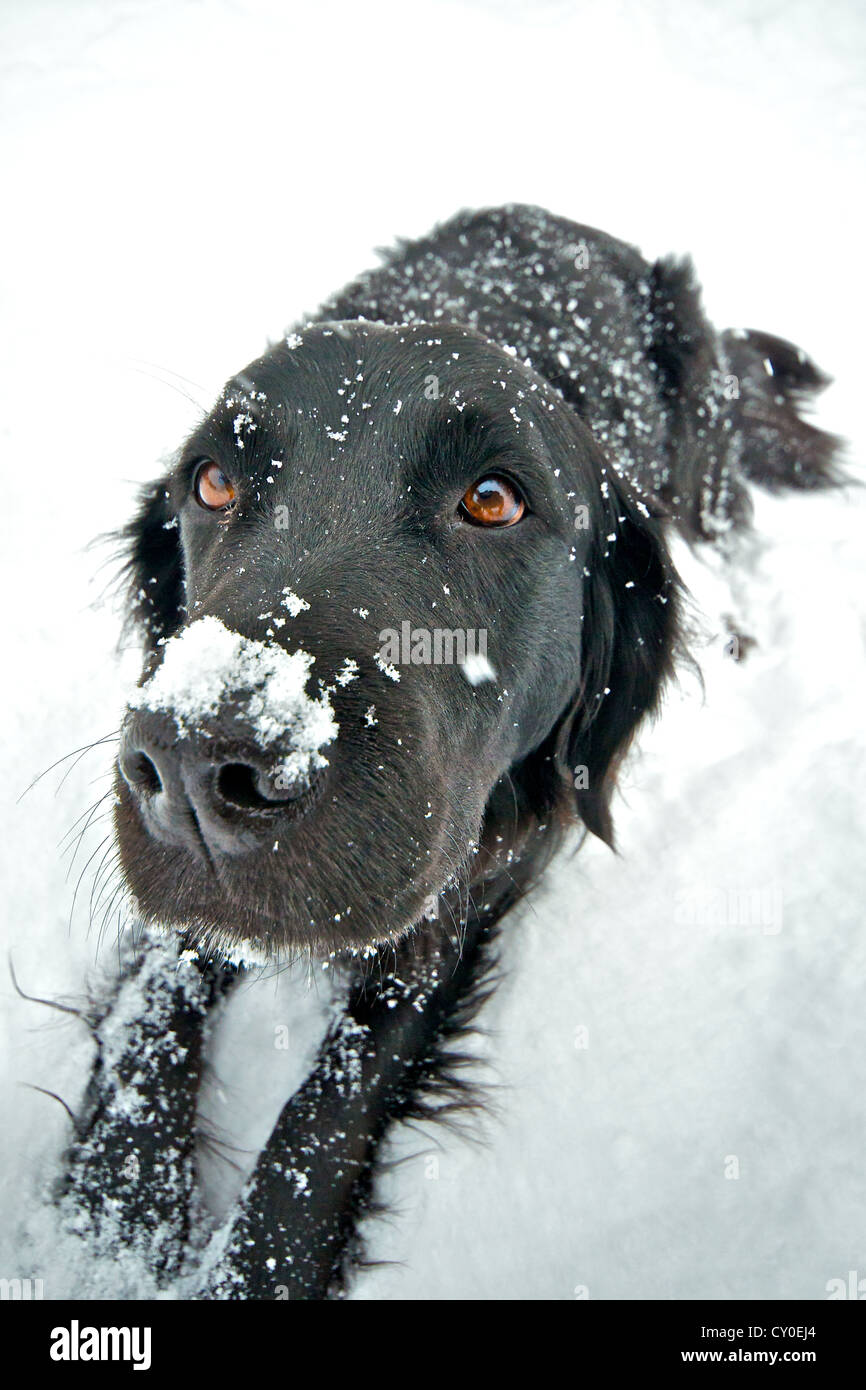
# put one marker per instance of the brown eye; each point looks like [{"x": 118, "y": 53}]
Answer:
[
  {"x": 492, "y": 501},
  {"x": 212, "y": 488}
]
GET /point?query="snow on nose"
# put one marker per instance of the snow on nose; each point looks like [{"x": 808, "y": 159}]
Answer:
[{"x": 207, "y": 667}]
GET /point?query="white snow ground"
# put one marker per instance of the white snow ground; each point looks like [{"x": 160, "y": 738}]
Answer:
[{"x": 183, "y": 180}]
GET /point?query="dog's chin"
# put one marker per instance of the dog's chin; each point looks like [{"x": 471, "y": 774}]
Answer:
[
  {"x": 274, "y": 946},
  {"x": 262, "y": 942},
  {"x": 290, "y": 914}
]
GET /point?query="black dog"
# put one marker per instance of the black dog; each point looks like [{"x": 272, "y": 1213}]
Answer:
[{"x": 482, "y": 440}]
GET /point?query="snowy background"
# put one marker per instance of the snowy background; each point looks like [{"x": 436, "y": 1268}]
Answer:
[{"x": 682, "y": 1080}]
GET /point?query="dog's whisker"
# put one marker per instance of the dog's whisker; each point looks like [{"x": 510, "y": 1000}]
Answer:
[
  {"x": 84, "y": 869},
  {"x": 510, "y": 780},
  {"x": 101, "y": 776},
  {"x": 78, "y": 754},
  {"x": 113, "y": 890},
  {"x": 36, "y": 999},
  {"x": 28, "y": 1085},
  {"x": 104, "y": 874},
  {"x": 93, "y": 807},
  {"x": 75, "y": 845},
  {"x": 106, "y": 864},
  {"x": 93, "y": 818},
  {"x": 118, "y": 898},
  {"x": 161, "y": 367},
  {"x": 462, "y": 870},
  {"x": 456, "y": 942},
  {"x": 153, "y": 375}
]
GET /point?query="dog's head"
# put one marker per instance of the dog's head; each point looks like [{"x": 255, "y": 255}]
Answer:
[{"x": 398, "y": 612}]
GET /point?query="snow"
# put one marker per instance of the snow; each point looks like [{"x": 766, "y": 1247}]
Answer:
[
  {"x": 639, "y": 1041},
  {"x": 716, "y": 966},
  {"x": 476, "y": 668},
  {"x": 386, "y": 667},
  {"x": 347, "y": 672},
  {"x": 207, "y": 665},
  {"x": 294, "y": 604}
]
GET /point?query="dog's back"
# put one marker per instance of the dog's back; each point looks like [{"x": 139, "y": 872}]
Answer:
[{"x": 689, "y": 415}]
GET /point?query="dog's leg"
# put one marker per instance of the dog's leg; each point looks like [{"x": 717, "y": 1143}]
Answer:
[
  {"x": 129, "y": 1173},
  {"x": 293, "y": 1234}
]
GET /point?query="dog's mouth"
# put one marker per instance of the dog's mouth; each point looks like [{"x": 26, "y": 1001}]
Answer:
[{"x": 304, "y": 886}]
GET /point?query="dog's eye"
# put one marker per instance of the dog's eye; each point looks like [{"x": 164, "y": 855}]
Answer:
[
  {"x": 492, "y": 501},
  {"x": 213, "y": 490}
]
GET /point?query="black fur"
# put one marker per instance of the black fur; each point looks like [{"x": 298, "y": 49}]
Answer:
[{"x": 564, "y": 360}]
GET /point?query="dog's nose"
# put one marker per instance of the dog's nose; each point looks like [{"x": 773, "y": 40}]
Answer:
[{"x": 194, "y": 794}]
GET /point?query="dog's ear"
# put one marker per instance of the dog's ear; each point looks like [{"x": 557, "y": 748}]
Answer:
[
  {"x": 691, "y": 375},
  {"x": 631, "y": 639},
  {"x": 153, "y": 566},
  {"x": 734, "y": 401}
]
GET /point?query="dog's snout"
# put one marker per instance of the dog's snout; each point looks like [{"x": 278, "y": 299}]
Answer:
[{"x": 196, "y": 794}]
